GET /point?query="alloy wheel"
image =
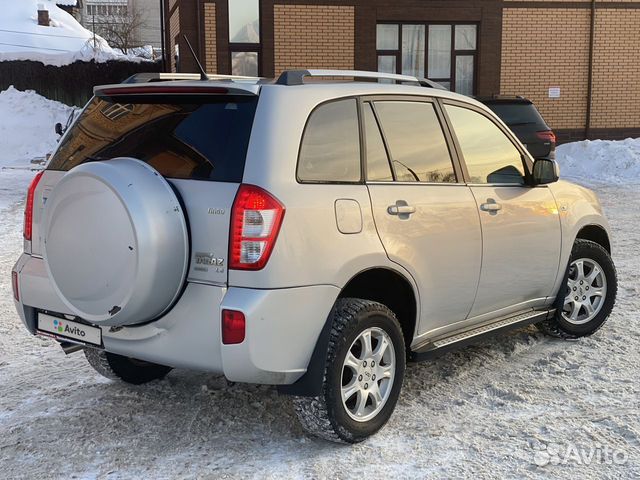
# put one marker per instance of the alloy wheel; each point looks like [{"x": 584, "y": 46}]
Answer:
[
  {"x": 367, "y": 374},
  {"x": 586, "y": 291}
]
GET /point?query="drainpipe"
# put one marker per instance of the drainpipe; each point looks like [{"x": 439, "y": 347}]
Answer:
[
  {"x": 162, "y": 39},
  {"x": 592, "y": 35},
  {"x": 200, "y": 29}
]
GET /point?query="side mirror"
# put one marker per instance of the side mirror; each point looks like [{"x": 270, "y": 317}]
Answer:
[
  {"x": 545, "y": 171},
  {"x": 58, "y": 129}
]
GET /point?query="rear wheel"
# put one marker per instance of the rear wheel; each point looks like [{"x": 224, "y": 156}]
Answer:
[
  {"x": 588, "y": 295},
  {"x": 129, "y": 370},
  {"x": 363, "y": 374}
]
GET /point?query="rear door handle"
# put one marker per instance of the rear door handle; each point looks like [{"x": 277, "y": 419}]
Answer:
[{"x": 401, "y": 209}]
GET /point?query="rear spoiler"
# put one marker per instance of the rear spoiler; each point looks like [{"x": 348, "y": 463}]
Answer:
[
  {"x": 148, "y": 77},
  {"x": 176, "y": 88}
]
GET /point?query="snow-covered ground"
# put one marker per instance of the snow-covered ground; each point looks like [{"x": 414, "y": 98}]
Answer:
[
  {"x": 488, "y": 411},
  {"x": 62, "y": 42}
]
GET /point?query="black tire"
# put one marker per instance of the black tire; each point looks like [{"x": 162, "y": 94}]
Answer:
[
  {"x": 129, "y": 370},
  {"x": 325, "y": 416},
  {"x": 560, "y": 327}
]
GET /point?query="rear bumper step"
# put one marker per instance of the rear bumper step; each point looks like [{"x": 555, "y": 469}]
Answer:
[{"x": 457, "y": 340}]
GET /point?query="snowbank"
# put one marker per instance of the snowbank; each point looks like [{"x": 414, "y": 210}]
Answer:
[
  {"x": 26, "y": 133},
  {"x": 27, "y": 126},
  {"x": 61, "y": 43},
  {"x": 601, "y": 161}
]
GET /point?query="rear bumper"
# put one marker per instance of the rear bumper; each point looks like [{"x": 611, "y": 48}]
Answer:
[{"x": 282, "y": 327}]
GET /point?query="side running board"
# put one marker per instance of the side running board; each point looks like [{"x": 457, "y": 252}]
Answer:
[{"x": 436, "y": 347}]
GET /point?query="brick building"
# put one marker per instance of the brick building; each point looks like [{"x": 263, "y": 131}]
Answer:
[{"x": 579, "y": 61}]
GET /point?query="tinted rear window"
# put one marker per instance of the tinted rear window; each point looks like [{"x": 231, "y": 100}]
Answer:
[
  {"x": 517, "y": 113},
  {"x": 330, "y": 149},
  {"x": 205, "y": 140}
]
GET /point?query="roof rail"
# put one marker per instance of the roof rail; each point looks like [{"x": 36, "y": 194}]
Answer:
[
  {"x": 147, "y": 77},
  {"x": 425, "y": 82},
  {"x": 296, "y": 77}
]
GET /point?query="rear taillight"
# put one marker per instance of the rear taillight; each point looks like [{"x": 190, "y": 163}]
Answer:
[
  {"x": 28, "y": 208},
  {"x": 233, "y": 327},
  {"x": 255, "y": 222},
  {"x": 547, "y": 136},
  {"x": 14, "y": 284}
]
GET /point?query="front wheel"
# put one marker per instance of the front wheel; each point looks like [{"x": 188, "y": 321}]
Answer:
[
  {"x": 588, "y": 295},
  {"x": 363, "y": 374}
]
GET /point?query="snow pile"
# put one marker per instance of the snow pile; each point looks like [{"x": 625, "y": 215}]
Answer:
[
  {"x": 61, "y": 43},
  {"x": 601, "y": 161},
  {"x": 27, "y": 123}
]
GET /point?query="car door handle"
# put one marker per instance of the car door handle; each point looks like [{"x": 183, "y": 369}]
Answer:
[
  {"x": 400, "y": 209},
  {"x": 491, "y": 207}
]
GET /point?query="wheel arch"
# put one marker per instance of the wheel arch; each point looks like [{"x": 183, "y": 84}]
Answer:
[
  {"x": 595, "y": 233},
  {"x": 380, "y": 284},
  {"x": 390, "y": 288}
]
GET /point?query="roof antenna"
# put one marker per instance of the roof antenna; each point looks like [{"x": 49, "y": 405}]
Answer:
[{"x": 203, "y": 74}]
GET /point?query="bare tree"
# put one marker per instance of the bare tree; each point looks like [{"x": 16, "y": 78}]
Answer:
[{"x": 122, "y": 28}]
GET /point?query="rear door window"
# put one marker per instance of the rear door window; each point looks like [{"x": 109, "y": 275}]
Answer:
[
  {"x": 330, "y": 149},
  {"x": 417, "y": 145},
  {"x": 378, "y": 168},
  {"x": 207, "y": 140}
]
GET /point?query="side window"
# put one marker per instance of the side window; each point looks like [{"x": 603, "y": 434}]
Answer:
[
  {"x": 330, "y": 150},
  {"x": 417, "y": 145},
  {"x": 489, "y": 154},
  {"x": 378, "y": 168}
]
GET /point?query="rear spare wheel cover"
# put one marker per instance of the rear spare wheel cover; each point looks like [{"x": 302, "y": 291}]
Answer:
[{"x": 116, "y": 245}]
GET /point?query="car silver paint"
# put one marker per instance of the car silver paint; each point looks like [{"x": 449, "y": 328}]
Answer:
[
  {"x": 440, "y": 244},
  {"x": 314, "y": 257},
  {"x": 520, "y": 248},
  {"x": 209, "y": 232},
  {"x": 121, "y": 219}
]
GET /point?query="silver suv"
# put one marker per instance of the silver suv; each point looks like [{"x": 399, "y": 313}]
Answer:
[{"x": 311, "y": 236}]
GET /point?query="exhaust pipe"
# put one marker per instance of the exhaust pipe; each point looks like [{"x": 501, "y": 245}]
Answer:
[{"x": 69, "y": 348}]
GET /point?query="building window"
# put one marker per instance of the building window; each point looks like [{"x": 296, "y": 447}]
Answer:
[
  {"x": 244, "y": 63},
  {"x": 110, "y": 10},
  {"x": 244, "y": 37},
  {"x": 446, "y": 54}
]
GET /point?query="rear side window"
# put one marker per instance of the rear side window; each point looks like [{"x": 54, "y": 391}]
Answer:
[
  {"x": 489, "y": 154},
  {"x": 418, "y": 149},
  {"x": 330, "y": 149},
  {"x": 207, "y": 140}
]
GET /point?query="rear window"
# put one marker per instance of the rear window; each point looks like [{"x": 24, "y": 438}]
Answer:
[
  {"x": 205, "y": 140},
  {"x": 517, "y": 113}
]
